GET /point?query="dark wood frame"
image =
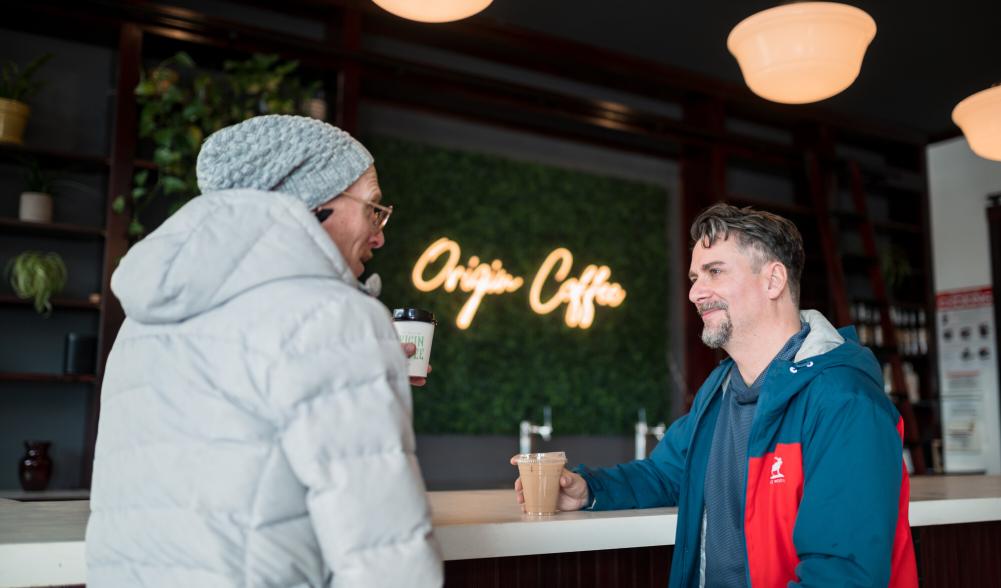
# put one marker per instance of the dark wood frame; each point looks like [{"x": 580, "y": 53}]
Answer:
[{"x": 699, "y": 140}]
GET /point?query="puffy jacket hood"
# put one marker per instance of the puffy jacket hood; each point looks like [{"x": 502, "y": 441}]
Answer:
[{"x": 218, "y": 246}]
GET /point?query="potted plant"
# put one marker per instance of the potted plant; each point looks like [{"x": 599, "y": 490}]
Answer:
[
  {"x": 37, "y": 275},
  {"x": 180, "y": 104},
  {"x": 36, "y": 200},
  {"x": 16, "y": 87}
]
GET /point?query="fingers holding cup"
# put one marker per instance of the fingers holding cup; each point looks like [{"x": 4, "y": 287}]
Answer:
[{"x": 415, "y": 327}]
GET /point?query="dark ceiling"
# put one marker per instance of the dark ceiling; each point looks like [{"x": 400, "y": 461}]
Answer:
[{"x": 927, "y": 55}]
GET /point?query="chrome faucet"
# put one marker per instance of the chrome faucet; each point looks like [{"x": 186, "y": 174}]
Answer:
[
  {"x": 642, "y": 430},
  {"x": 527, "y": 429}
]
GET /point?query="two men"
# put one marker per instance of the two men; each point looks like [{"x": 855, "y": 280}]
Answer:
[
  {"x": 256, "y": 414},
  {"x": 788, "y": 468}
]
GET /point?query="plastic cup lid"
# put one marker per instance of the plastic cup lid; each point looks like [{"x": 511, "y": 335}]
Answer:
[{"x": 550, "y": 457}]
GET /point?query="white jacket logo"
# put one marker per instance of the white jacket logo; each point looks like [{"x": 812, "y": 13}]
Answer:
[{"x": 777, "y": 475}]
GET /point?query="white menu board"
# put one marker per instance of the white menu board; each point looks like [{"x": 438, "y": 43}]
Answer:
[{"x": 968, "y": 380}]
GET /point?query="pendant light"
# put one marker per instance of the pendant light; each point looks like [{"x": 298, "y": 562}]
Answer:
[
  {"x": 979, "y": 116},
  {"x": 433, "y": 10},
  {"x": 802, "y": 52}
]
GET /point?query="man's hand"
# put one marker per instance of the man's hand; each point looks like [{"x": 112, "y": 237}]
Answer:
[
  {"x": 410, "y": 349},
  {"x": 573, "y": 490}
]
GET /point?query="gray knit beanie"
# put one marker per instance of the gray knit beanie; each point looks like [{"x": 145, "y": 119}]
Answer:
[{"x": 295, "y": 155}]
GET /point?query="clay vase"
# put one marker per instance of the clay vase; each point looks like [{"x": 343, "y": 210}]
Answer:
[{"x": 35, "y": 469}]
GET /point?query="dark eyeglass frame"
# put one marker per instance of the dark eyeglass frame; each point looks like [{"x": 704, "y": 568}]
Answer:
[{"x": 380, "y": 212}]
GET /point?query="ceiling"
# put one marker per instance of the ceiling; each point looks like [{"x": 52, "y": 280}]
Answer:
[{"x": 926, "y": 57}]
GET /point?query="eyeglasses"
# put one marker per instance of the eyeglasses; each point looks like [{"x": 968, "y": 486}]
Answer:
[{"x": 380, "y": 213}]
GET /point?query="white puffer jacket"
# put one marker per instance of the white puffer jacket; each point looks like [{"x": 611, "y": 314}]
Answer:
[{"x": 255, "y": 415}]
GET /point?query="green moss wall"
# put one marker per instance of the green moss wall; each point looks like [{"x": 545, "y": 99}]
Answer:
[{"x": 511, "y": 361}]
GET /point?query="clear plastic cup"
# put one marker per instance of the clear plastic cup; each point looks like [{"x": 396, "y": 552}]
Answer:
[{"x": 540, "y": 480}]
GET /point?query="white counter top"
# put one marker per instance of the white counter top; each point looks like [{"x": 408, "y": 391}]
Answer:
[
  {"x": 489, "y": 523},
  {"x": 42, "y": 542}
]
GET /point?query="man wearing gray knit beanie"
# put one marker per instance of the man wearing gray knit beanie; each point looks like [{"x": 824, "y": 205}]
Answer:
[
  {"x": 308, "y": 159},
  {"x": 256, "y": 414}
]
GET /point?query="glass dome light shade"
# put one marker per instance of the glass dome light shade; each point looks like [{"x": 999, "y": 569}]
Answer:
[
  {"x": 802, "y": 52},
  {"x": 433, "y": 10},
  {"x": 979, "y": 116}
]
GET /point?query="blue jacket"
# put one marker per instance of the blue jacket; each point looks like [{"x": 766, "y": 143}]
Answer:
[{"x": 826, "y": 492}]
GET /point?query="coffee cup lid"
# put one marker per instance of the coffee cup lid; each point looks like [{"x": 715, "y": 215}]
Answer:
[{"x": 414, "y": 314}]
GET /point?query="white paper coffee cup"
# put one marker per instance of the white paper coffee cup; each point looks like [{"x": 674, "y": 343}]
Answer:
[{"x": 416, "y": 326}]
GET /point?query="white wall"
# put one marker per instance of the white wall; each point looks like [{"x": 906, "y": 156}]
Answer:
[{"x": 958, "y": 184}]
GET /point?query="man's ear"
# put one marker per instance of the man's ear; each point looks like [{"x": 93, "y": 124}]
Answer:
[{"x": 778, "y": 279}]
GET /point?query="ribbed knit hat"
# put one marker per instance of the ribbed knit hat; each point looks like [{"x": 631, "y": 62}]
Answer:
[{"x": 296, "y": 155}]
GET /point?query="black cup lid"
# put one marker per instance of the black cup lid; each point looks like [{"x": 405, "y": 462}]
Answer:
[{"x": 414, "y": 314}]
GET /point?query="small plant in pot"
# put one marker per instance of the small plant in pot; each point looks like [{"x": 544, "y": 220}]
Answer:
[
  {"x": 36, "y": 200},
  {"x": 17, "y": 86},
  {"x": 38, "y": 276}
]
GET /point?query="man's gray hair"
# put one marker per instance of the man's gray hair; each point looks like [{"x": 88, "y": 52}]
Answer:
[{"x": 772, "y": 237}]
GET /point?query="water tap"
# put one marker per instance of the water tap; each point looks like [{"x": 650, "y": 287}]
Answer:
[
  {"x": 527, "y": 429},
  {"x": 643, "y": 430}
]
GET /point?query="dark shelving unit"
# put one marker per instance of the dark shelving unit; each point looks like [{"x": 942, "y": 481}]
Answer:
[
  {"x": 47, "y": 378},
  {"x": 57, "y": 304},
  {"x": 700, "y": 139},
  {"x": 65, "y": 230}
]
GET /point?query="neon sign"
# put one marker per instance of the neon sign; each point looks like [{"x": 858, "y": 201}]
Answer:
[
  {"x": 580, "y": 294},
  {"x": 479, "y": 278}
]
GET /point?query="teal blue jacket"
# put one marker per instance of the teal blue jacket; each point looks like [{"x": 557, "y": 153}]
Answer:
[{"x": 826, "y": 490}]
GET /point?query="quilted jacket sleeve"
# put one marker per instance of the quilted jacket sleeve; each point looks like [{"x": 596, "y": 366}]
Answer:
[{"x": 349, "y": 439}]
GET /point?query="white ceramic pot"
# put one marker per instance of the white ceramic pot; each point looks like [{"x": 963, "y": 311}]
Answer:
[{"x": 35, "y": 207}]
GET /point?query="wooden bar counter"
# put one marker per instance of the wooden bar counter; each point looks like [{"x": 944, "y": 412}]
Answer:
[{"x": 488, "y": 542}]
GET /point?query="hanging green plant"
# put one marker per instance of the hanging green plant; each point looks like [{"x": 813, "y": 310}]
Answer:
[
  {"x": 39, "y": 276},
  {"x": 181, "y": 104}
]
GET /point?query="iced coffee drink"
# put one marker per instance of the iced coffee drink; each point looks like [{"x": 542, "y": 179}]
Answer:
[{"x": 540, "y": 480}]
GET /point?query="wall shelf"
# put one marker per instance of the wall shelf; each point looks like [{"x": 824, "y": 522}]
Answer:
[
  {"x": 14, "y": 226},
  {"x": 58, "y": 303},
  {"x": 47, "y": 378},
  {"x": 783, "y": 208},
  {"x": 11, "y": 152},
  {"x": 898, "y": 227},
  {"x": 886, "y": 226}
]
